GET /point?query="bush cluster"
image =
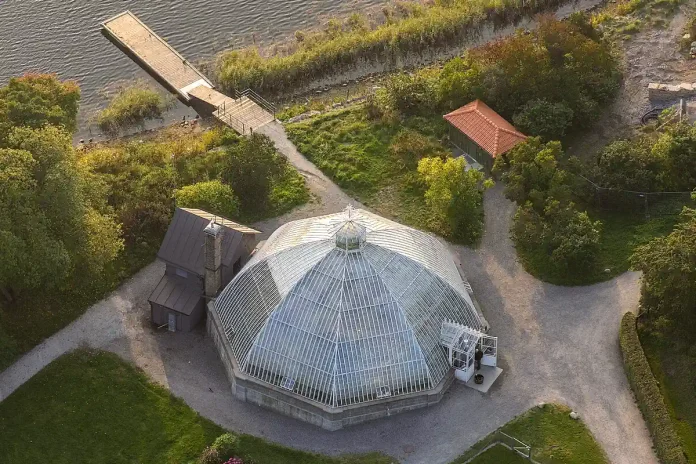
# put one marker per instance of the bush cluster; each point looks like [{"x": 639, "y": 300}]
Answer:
[
  {"x": 648, "y": 396},
  {"x": 546, "y": 218},
  {"x": 546, "y": 81},
  {"x": 239, "y": 178},
  {"x": 130, "y": 107},
  {"x": 221, "y": 451},
  {"x": 661, "y": 161},
  {"x": 412, "y": 28}
]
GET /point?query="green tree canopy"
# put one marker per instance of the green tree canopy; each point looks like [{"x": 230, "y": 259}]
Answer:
[
  {"x": 531, "y": 172},
  {"x": 212, "y": 196},
  {"x": 38, "y": 99},
  {"x": 49, "y": 223},
  {"x": 669, "y": 269},
  {"x": 252, "y": 166},
  {"x": 454, "y": 195}
]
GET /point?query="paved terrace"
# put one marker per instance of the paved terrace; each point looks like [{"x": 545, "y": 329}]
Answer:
[{"x": 557, "y": 344}]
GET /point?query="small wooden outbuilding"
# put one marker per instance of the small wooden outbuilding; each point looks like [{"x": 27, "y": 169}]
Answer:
[
  {"x": 202, "y": 253},
  {"x": 481, "y": 133}
]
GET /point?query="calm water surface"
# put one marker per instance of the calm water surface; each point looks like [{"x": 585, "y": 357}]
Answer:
[{"x": 63, "y": 36}]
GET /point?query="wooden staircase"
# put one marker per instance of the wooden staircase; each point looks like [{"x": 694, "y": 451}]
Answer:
[{"x": 243, "y": 114}]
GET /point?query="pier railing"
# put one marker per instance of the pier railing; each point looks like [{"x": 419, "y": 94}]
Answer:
[
  {"x": 258, "y": 99},
  {"x": 231, "y": 121}
]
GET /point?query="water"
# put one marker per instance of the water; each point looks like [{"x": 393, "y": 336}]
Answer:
[{"x": 64, "y": 37}]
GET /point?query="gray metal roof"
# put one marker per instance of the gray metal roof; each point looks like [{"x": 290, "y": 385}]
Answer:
[
  {"x": 183, "y": 245},
  {"x": 174, "y": 292}
]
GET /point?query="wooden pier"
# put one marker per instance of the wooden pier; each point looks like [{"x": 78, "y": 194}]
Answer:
[
  {"x": 245, "y": 113},
  {"x": 153, "y": 53}
]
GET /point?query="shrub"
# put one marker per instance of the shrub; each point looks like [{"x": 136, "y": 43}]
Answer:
[
  {"x": 545, "y": 119},
  {"x": 567, "y": 235},
  {"x": 647, "y": 393},
  {"x": 212, "y": 196},
  {"x": 225, "y": 445},
  {"x": 210, "y": 456},
  {"x": 252, "y": 166},
  {"x": 629, "y": 165},
  {"x": 131, "y": 106},
  {"x": 454, "y": 196},
  {"x": 410, "y": 94},
  {"x": 409, "y": 146}
]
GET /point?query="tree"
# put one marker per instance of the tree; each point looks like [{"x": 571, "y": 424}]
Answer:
[
  {"x": 676, "y": 148},
  {"x": 49, "y": 223},
  {"x": 454, "y": 196},
  {"x": 531, "y": 172},
  {"x": 569, "y": 237},
  {"x": 251, "y": 168},
  {"x": 543, "y": 118},
  {"x": 38, "y": 99},
  {"x": 629, "y": 165},
  {"x": 669, "y": 269},
  {"x": 212, "y": 196}
]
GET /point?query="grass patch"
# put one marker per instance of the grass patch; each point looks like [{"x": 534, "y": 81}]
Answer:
[
  {"x": 90, "y": 407},
  {"x": 355, "y": 152},
  {"x": 37, "y": 316},
  {"x": 671, "y": 354},
  {"x": 499, "y": 454},
  {"x": 621, "y": 234},
  {"x": 553, "y": 436}
]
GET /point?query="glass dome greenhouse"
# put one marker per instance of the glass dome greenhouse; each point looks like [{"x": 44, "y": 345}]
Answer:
[{"x": 345, "y": 309}]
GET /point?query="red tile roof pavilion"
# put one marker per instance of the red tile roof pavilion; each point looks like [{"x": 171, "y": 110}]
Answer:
[{"x": 484, "y": 126}]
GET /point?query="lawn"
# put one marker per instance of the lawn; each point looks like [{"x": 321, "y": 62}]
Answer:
[
  {"x": 90, "y": 407},
  {"x": 553, "y": 436},
  {"x": 499, "y": 454},
  {"x": 671, "y": 353},
  {"x": 621, "y": 234},
  {"x": 355, "y": 152}
]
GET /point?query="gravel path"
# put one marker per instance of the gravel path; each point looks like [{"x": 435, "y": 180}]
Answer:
[{"x": 557, "y": 344}]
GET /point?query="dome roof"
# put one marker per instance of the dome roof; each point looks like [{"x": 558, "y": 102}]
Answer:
[{"x": 345, "y": 308}]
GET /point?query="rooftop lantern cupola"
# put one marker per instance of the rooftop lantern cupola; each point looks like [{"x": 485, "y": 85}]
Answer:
[{"x": 351, "y": 236}]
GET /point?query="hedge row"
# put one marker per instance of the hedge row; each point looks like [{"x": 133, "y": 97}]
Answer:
[{"x": 647, "y": 392}]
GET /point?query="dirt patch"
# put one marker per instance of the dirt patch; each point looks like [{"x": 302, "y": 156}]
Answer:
[{"x": 651, "y": 55}]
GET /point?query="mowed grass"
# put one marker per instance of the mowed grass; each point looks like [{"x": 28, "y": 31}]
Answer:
[
  {"x": 499, "y": 454},
  {"x": 354, "y": 152},
  {"x": 621, "y": 234},
  {"x": 37, "y": 316},
  {"x": 91, "y": 407},
  {"x": 553, "y": 436},
  {"x": 671, "y": 353}
]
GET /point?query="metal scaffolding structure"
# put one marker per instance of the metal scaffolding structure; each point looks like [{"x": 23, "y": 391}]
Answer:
[{"x": 346, "y": 309}]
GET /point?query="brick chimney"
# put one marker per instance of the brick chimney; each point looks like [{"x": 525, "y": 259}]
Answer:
[{"x": 213, "y": 259}]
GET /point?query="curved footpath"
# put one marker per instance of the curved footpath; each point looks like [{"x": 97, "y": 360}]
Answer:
[{"x": 557, "y": 344}]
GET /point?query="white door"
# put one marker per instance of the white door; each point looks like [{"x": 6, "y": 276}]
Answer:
[{"x": 172, "y": 322}]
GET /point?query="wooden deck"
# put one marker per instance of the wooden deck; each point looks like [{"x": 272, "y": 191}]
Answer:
[
  {"x": 154, "y": 53},
  {"x": 242, "y": 114}
]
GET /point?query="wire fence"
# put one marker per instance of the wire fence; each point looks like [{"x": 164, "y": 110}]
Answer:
[{"x": 646, "y": 203}]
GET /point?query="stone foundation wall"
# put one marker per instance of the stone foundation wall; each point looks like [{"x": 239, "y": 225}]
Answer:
[
  {"x": 291, "y": 404},
  {"x": 671, "y": 91}
]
